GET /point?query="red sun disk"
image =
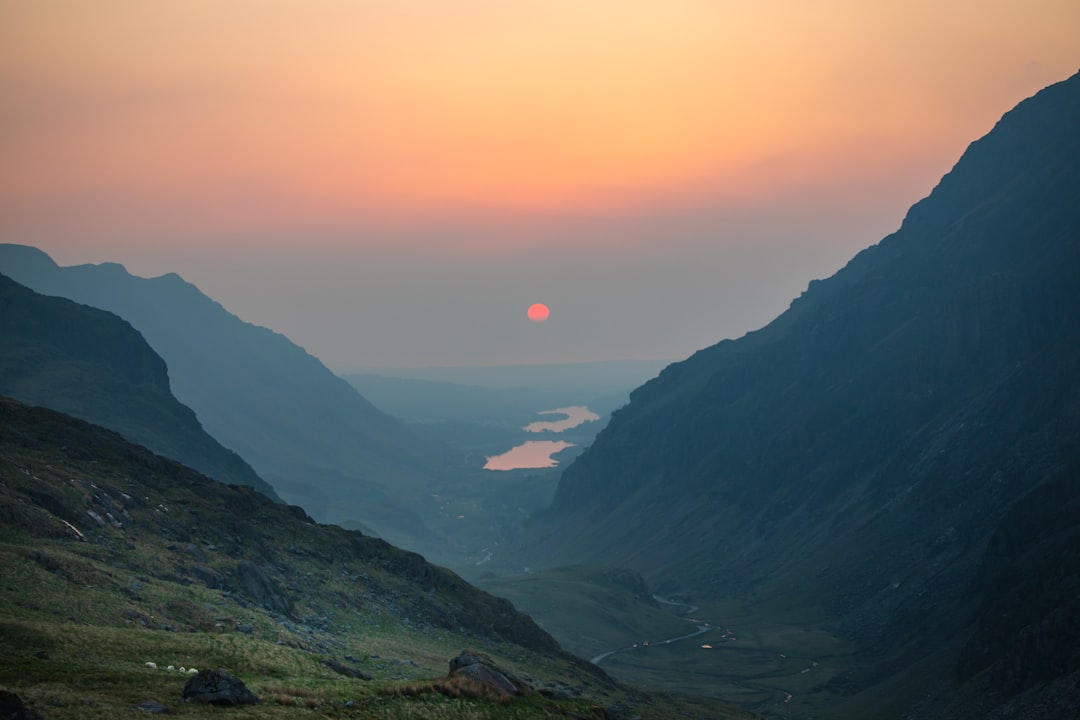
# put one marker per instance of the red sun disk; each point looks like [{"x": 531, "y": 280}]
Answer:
[{"x": 538, "y": 312}]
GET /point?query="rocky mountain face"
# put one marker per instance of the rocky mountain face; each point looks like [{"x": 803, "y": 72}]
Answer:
[
  {"x": 1020, "y": 657},
  {"x": 91, "y": 364},
  {"x": 862, "y": 449},
  {"x": 306, "y": 431}
]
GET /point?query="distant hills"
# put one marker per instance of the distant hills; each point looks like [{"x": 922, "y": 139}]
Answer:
[
  {"x": 859, "y": 453},
  {"x": 312, "y": 436},
  {"x": 93, "y": 365}
]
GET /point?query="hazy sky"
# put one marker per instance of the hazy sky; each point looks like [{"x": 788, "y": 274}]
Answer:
[{"x": 394, "y": 182}]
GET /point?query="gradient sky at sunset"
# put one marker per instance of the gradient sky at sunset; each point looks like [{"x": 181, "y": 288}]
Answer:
[{"x": 394, "y": 182}]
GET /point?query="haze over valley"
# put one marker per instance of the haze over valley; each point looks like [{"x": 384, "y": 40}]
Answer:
[{"x": 593, "y": 361}]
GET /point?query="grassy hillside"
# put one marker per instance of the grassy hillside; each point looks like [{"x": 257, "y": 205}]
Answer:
[{"x": 113, "y": 557}]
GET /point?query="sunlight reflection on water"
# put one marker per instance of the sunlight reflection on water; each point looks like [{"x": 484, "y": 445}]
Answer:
[
  {"x": 575, "y": 415},
  {"x": 531, "y": 454}
]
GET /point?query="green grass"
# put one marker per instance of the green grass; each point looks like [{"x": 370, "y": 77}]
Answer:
[
  {"x": 755, "y": 660},
  {"x": 85, "y": 603},
  {"x": 587, "y": 611},
  {"x": 758, "y": 653}
]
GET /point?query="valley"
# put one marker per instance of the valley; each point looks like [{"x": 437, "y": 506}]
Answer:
[{"x": 865, "y": 508}]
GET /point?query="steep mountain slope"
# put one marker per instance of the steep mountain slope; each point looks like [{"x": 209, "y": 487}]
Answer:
[
  {"x": 1021, "y": 658},
  {"x": 113, "y": 557},
  {"x": 858, "y": 452},
  {"x": 308, "y": 432},
  {"x": 91, "y": 364}
]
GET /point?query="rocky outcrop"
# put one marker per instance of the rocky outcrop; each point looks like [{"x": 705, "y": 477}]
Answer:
[
  {"x": 255, "y": 583},
  {"x": 347, "y": 670},
  {"x": 481, "y": 668},
  {"x": 12, "y": 708},
  {"x": 218, "y": 687}
]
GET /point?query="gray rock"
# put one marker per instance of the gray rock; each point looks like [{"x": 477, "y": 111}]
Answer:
[
  {"x": 254, "y": 582},
  {"x": 559, "y": 691},
  {"x": 218, "y": 687},
  {"x": 347, "y": 670},
  {"x": 481, "y": 668},
  {"x": 12, "y": 708},
  {"x": 153, "y": 707}
]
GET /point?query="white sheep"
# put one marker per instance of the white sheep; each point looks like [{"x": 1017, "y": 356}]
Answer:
[
  {"x": 183, "y": 669},
  {"x": 152, "y": 665},
  {"x": 192, "y": 671},
  {"x": 171, "y": 668}
]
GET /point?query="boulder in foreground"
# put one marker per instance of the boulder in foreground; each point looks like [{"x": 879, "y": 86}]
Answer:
[{"x": 218, "y": 687}]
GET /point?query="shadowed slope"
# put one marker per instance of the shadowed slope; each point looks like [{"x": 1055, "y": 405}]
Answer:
[{"x": 91, "y": 364}]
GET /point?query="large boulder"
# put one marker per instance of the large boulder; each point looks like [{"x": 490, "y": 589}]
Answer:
[
  {"x": 481, "y": 668},
  {"x": 11, "y": 706},
  {"x": 218, "y": 687}
]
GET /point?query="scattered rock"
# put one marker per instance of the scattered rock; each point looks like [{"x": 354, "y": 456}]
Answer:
[
  {"x": 481, "y": 668},
  {"x": 244, "y": 628},
  {"x": 153, "y": 707},
  {"x": 207, "y": 577},
  {"x": 12, "y": 708},
  {"x": 558, "y": 691},
  {"x": 218, "y": 687},
  {"x": 254, "y": 582},
  {"x": 48, "y": 563},
  {"x": 620, "y": 711},
  {"x": 343, "y": 669}
]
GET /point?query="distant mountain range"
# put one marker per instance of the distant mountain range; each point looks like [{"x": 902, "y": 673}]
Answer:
[
  {"x": 91, "y": 364},
  {"x": 860, "y": 451},
  {"x": 600, "y": 376},
  {"x": 311, "y": 435}
]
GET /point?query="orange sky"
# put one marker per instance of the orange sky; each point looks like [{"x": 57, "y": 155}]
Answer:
[{"x": 127, "y": 125}]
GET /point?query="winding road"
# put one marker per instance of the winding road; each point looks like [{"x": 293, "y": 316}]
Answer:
[{"x": 702, "y": 628}]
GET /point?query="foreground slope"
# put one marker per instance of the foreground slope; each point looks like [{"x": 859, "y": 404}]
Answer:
[
  {"x": 93, "y": 365},
  {"x": 857, "y": 453},
  {"x": 306, "y": 431},
  {"x": 113, "y": 557}
]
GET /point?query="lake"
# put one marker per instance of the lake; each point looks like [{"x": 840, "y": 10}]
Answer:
[
  {"x": 530, "y": 454},
  {"x": 575, "y": 415},
  {"x": 537, "y": 453}
]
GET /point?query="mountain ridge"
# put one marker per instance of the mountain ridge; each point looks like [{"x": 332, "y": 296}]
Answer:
[
  {"x": 94, "y": 365},
  {"x": 308, "y": 432}
]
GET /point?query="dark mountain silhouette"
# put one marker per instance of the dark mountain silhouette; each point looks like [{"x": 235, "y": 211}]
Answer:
[
  {"x": 306, "y": 431},
  {"x": 91, "y": 364},
  {"x": 860, "y": 450}
]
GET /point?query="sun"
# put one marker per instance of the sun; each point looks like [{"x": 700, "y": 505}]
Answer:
[{"x": 538, "y": 312}]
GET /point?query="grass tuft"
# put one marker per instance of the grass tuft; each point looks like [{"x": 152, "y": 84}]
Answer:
[{"x": 457, "y": 687}]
